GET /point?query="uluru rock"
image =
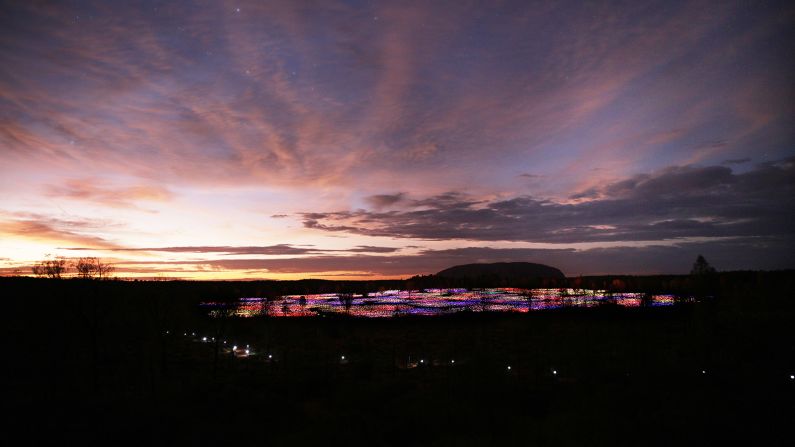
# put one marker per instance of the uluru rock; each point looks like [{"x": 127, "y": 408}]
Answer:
[{"x": 505, "y": 270}]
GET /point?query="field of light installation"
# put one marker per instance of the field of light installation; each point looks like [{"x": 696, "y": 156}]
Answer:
[{"x": 434, "y": 302}]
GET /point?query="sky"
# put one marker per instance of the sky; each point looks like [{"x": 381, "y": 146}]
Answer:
[{"x": 384, "y": 139}]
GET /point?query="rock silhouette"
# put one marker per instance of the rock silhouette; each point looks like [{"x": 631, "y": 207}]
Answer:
[{"x": 502, "y": 270}]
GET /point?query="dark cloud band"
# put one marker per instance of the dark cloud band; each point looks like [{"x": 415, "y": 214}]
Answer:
[{"x": 676, "y": 202}]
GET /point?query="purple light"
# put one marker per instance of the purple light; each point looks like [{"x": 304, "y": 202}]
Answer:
[{"x": 391, "y": 303}]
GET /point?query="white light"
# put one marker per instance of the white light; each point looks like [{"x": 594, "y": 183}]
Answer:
[
  {"x": 234, "y": 348},
  {"x": 555, "y": 372},
  {"x": 509, "y": 368},
  {"x": 247, "y": 346},
  {"x": 422, "y": 361},
  {"x": 224, "y": 341},
  {"x": 452, "y": 361},
  {"x": 204, "y": 338},
  {"x": 792, "y": 376},
  {"x": 703, "y": 372},
  {"x": 192, "y": 334},
  {"x": 342, "y": 357},
  {"x": 246, "y": 351},
  {"x": 270, "y": 356}
]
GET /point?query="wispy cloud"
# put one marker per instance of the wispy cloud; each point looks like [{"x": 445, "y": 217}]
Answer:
[
  {"x": 736, "y": 161},
  {"x": 99, "y": 191},
  {"x": 317, "y": 96},
  {"x": 54, "y": 230}
]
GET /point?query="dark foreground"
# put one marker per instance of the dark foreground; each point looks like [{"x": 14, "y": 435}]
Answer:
[{"x": 107, "y": 362}]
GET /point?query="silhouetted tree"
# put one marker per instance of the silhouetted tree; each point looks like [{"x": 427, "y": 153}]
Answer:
[
  {"x": 528, "y": 296},
  {"x": 103, "y": 270},
  {"x": 701, "y": 267},
  {"x": 50, "y": 268},
  {"x": 91, "y": 267},
  {"x": 647, "y": 300},
  {"x": 302, "y": 303},
  {"x": 346, "y": 299},
  {"x": 85, "y": 267},
  {"x": 703, "y": 277}
]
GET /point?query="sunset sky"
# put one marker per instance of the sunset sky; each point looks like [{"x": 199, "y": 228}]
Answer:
[{"x": 295, "y": 139}]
